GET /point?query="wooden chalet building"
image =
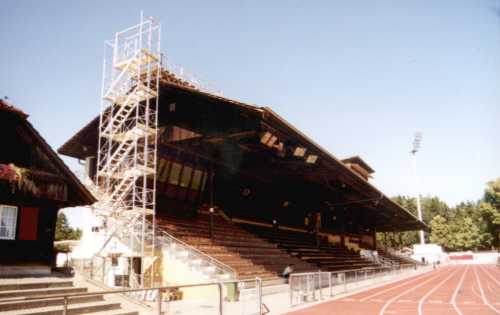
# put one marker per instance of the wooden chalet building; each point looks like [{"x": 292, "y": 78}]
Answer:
[
  {"x": 34, "y": 185},
  {"x": 253, "y": 165}
]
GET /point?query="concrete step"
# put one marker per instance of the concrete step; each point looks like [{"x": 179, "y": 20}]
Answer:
[
  {"x": 43, "y": 291},
  {"x": 116, "y": 312},
  {"x": 24, "y": 270},
  {"x": 28, "y": 304},
  {"x": 35, "y": 285},
  {"x": 73, "y": 309},
  {"x": 266, "y": 281}
]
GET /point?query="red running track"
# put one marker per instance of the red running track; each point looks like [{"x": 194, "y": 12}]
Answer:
[{"x": 457, "y": 290}]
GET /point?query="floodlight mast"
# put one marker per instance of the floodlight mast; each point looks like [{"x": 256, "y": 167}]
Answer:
[{"x": 416, "y": 147}]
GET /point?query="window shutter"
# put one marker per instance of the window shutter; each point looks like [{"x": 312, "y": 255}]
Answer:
[{"x": 28, "y": 229}]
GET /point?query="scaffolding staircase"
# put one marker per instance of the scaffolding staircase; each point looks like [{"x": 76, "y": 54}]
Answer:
[{"x": 125, "y": 182}]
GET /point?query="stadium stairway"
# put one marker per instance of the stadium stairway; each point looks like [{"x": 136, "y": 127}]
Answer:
[
  {"x": 302, "y": 245},
  {"x": 249, "y": 255},
  {"x": 15, "y": 297}
]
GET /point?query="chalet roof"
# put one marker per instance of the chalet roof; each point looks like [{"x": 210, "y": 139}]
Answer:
[
  {"x": 207, "y": 105},
  {"x": 358, "y": 160},
  {"x": 8, "y": 107},
  {"x": 83, "y": 195}
]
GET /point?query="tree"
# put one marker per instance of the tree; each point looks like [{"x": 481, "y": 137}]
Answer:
[
  {"x": 64, "y": 231},
  {"x": 490, "y": 210},
  {"x": 440, "y": 232},
  {"x": 473, "y": 211},
  {"x": 432, "y": 206},
  {"x": 466, "y": 235}
]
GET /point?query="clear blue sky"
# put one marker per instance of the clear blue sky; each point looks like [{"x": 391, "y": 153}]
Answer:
[{"x": 360, "y": 77}]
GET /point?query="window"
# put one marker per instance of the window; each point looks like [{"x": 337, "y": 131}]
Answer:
[
  {"x": 175, "y": 174},
  {"x": 186, "y": 176},
  {"x": 162, "y": 170},
  {"x": 195, "y": 185},
  {"x": 8, "y": 218},
  {"x": 114, "y": 260}
]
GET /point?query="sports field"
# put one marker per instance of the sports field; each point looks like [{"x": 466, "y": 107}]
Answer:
[{"x": 461, "y": 289}]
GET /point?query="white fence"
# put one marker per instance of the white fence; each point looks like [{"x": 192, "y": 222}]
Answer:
[{"x": 315, "y": 286}]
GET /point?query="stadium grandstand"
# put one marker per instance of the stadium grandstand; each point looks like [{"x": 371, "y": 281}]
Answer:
[{"x": 234, "y": 183}]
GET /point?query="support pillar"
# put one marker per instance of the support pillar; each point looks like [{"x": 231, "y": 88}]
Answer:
[
  {"x": 211, "y": 209},
  {"x": 342, "y": 228}
]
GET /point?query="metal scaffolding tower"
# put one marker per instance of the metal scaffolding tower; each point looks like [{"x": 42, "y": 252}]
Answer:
[{"x": 126, "y": 161}]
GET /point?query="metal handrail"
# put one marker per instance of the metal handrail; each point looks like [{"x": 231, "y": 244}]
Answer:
[
  {"x": 351, "y": 270},
  {"x": 314, "y": 280},
  {"x": 160, "y": 290},
  {"x": 191, "y": 248},
  {"x": 199, "y": 252}
]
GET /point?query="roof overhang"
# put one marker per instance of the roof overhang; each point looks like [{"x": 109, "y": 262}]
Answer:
[{"x": 228, "y": 125}]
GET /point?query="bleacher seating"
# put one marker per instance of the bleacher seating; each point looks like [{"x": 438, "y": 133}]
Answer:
[
  {"x": 300, "y": 244},
  {"x": 396, "y": 259},
  {"x": 246, "y": 253}
]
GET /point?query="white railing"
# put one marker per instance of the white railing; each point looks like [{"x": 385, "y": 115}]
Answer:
[
  {"x": 172, "y": 243},
  {"x": 223, "y": 303},
  {"x": 314, "y": 286},
  {"x": 98, "y": 267}
]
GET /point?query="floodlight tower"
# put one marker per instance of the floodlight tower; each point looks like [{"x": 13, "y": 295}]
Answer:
[{"x": 416, "y": 146}]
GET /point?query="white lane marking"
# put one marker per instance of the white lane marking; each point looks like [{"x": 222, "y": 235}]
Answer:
[
  {"x": 454, "y": 297},
  {"x": 489, "y": 275},
  {"x": 492, "y": 277},
  {"x": 419, "y": 277},
  {"x": 485, "y": 300},
  {"x": 473, "y": 289},
  {"x": 494, "y": 269},
  {"x": 422, "y": 300},
  {"x": 386, "y": 305}
]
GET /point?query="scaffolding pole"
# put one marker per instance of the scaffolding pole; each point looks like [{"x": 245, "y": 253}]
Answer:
[{"x": 127, "y": 146}]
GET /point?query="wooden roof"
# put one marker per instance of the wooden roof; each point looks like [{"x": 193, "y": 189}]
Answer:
[
  {"x": 83, "y": 196},
  {"x": 235, "y": 128},
  {"x": 358, "y": 160}
]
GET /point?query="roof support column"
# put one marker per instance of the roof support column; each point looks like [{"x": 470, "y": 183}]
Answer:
[
  {"x": 342, "y": 227},
  {"x": 211, "y": 209}
]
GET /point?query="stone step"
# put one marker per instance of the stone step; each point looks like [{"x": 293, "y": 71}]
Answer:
[
  {"x": 267, "y": 282},
  {"x": 262, "y": 274},
  {"x": 244, "y": 251},
  {"x": 27, "y": 304},
  {"x": 35, "y": 285},
  {"x": 42, "y": 291},
  {"x": 207, "y": 241},
  {"x": 117, "y": 312},
  {"x": 73, "y": 309},
  {"x": 240, "y": 250},
  {"x": 223, "y": 233},
  {"x": 24, "y": 270},
  {"x": 251, "y": 268}
]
